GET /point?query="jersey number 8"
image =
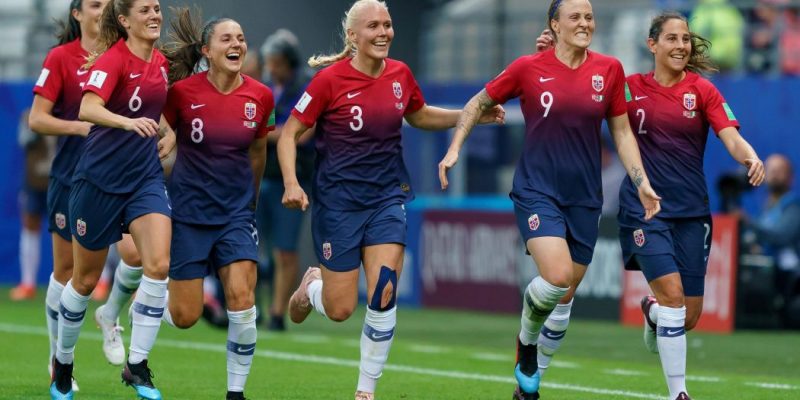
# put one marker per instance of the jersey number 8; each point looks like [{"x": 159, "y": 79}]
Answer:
[{"x": 197, "y": 130}]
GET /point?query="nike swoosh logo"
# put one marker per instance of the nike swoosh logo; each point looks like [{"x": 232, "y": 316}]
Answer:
[
  {"x": 640, "y": 97},
  {"x": 71, "y": 315},
  {"x": 351, "y": 95},
  {"x": 82, "y": 72},
  {"x": 377, "y": 337},
  {"x": 670, "y": 333},
  {"x": 134, "y": 76},
  {"x": 543, "y": 79},
  {"x": 196, "y": 106},
  {"x": 553, "y": 335},
  {"x": 245, "y": 349},
  {"x": 150, "y": 311}
]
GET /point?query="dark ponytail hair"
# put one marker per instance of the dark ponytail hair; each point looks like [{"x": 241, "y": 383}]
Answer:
[
  {"x": 187, "y": 39},
  {"x": 69, "y": 29},
  {"x": 699, "y": 59},
  {"x": 553, "y": 14},
  {"x": 110, "y": 28}
]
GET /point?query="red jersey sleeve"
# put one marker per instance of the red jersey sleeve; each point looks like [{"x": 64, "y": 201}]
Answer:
[
  {"x": 617, "y": 104},
  {"x": 104, "y": 75},
  {"x": 268, "y": 122},
  {"x": 171, "y": 108},
  {"x": 717, "y": 111},
  {"x": 506, "y": 86},
  {"x": 51, "y": 80},
  {"x": 416, "y": 101},
  {"x": 315, "y": 100}
]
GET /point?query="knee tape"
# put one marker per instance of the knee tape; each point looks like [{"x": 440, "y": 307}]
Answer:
[{"x": 387, "y": 276}]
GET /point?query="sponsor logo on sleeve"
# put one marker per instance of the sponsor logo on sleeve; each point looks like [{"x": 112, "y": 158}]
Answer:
[
  {"x": 43, "y": 77},
  {"x": 97, "y": 79},
  {"x": 303, "y": 102}
]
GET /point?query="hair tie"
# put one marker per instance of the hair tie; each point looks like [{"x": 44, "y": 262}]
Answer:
[{"x": 553, "y": 10}]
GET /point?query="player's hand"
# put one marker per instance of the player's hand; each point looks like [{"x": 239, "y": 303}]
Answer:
[
  {"x": 144, "y": 127},
  {"x": 650, "y": 201},
  {"x": 450, "y": 159},
  {"x": 496, "y": 114},
  {"x": 84, "y": 129},
  {"x": 755, "y": 171},
  {"x": 165, "y": 146},
  {"x": 295, "y": 197},
  {"x": 544, "y": 41}
]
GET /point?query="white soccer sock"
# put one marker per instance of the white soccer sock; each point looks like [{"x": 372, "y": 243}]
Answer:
[
  {"x": 72, "y": 309},
  {"x": 376, "y": 340},
  {"x": 52, "y": 300},
  {"x": 126, "y": 281},
  {"x": 167, "y": 315},
  {"x": 671, "y": 340},
  {"x": 148, "y": 309},
  {"x": 552, "y": 334},
  {"x": 242, "y": 337},
  {"x": 315, "y": 295},
  {"x": 653, "y": 314},
  {"x": 30, "y": 244},
  {"x": 539, "y": 300}
]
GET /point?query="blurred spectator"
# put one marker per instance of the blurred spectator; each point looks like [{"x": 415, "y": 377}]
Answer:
[
  {"x": 33, "y": 205},
  {"x": 613, "y": 173},
  {"x": 762, "y": 38},
  {"x": 722, "y": 24},
  {"x": 790, "y": 42},
  {"x": 285, "y": 73}
]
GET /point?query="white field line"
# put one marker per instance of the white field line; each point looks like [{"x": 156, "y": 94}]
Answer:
[
  {"x": 779, "y": 386},
  {"x": 703, "y": 378},
  {"x": 624, "y": 372},
  {"x": 428, "y": 349},
  {"x": 278, "y": 355}
]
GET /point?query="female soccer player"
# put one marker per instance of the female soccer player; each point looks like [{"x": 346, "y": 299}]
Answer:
[
  {"x": 118, "y": 184},
  {"x": 361, "y": 184},
  {"x": 221, "y": 118},
  {"x": 566, "y": 93},
  {"x": 673, "y": 108}
]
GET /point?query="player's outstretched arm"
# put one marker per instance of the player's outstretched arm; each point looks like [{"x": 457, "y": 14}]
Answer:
[
  {"x": 480, "y": 104},
  {"x": 293, "y": 196},
  {"x": 744, "y": 154},
  {"x": 93, "y": 110},
  {"x": 628, "y": 150},
  {"x": 42, "y": 121},
  {"x": 436, "y": 119},
  {"x": 258, "y": 161}
]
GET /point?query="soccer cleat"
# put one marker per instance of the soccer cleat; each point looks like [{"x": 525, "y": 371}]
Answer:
[
  {"x": 527, "y": 372},
  {"x": 75, "y": 387},
  {"x": 213, "y": 312},
  {"x": 61, "y": 381},
  {"x": 520, "y": 395},
  {"x": 300, "y": 303},
  {"x": 113, "y": 348},
  {"x": 683, "y": 396},
  {"x": 139, "y": 377},
  {"x": 276, "y": 323},
  {"x": 364, "y": 395},
  {"x": 650, "y": 341},
  {"x": 22, "y": 292},
  {"x": 235, "y": 396}
]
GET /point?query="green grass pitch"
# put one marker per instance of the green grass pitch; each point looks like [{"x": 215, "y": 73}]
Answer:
[{"x": 436, "y": 355}]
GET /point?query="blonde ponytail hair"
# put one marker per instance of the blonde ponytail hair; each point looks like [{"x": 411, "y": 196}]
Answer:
[
  {"x": 348, "y": 21},
  {"x": 110, "y": 28}
]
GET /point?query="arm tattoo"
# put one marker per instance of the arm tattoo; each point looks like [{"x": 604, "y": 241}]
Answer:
[
  {"x": 470, "y": 115},
  {"x": 638, "y": 177}
]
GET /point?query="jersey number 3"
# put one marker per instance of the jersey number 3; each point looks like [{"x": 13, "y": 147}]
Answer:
[{"x": 357, "y": 123}]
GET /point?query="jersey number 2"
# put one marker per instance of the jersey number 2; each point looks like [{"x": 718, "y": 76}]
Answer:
[{"x": 640, "y": 114}]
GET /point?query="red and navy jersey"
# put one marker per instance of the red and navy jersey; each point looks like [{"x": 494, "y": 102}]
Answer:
[
  {"x": 563, "y": 110},
  {"x": 61, "y": 81},
  {"x": 359, "y": 155},
  {"x": 212, "y": 180},
  {"x": 117, "y": 160},
  {"x": 671, "y": 125}
]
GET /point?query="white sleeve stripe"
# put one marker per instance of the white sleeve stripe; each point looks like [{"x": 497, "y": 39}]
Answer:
[{"x": 43, "y": 77}]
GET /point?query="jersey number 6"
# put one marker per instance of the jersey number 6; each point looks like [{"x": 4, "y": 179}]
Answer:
[{"x": 135, "y": 103}]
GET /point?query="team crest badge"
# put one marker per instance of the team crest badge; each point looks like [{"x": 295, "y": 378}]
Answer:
[
  {"x": 327, "y": 252},
  {"x": 81, "y": 225},
  {"x": 250, "y": 110},
  {"x": 61, "y": 220},
  {"x": 533, "y": 222},
  {"x": 397, "y": 89},
  {"x": 638, "y": 237},
  {"x": 598, "y": 83},
  {"x": 690, "y": 101}
]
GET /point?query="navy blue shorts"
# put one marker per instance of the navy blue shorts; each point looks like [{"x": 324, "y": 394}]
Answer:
[
  {"x": 540, "y": 216},
  {"x": 32, "y": 201},
  {"x": 58, "y": 209},
  {"x": 98, "y": 219},
  {"x": 278, "y": 225},
  {"x": 340, "y": 235},
  {"x": 663, "y": 246},
  {"x": 200, "y": 250}
]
